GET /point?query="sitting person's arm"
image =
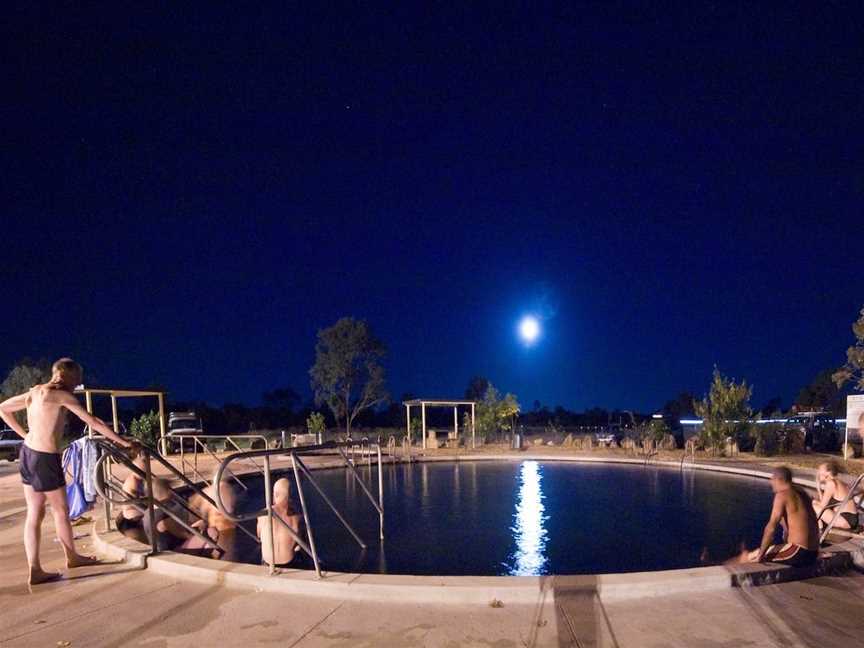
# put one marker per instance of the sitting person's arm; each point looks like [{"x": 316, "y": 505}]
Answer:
[
  {"x": 768, "y": 535},
  {"x": 827, "y": 494}
]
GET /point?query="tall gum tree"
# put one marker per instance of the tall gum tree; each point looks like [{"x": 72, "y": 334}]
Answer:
[{"x": 347, "y": 374}]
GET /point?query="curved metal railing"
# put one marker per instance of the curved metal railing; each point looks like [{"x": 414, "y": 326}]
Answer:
[
  {"x": 301, "y": 470},
  {"x": 202, "y": 441},
  {"x": 106, "y": 484}
]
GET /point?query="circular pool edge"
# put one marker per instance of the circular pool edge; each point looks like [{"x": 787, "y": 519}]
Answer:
[{"x": 512, "y": 590}]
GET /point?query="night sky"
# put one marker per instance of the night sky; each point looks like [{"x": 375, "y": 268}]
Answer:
[{"x": 189, "y": 195}]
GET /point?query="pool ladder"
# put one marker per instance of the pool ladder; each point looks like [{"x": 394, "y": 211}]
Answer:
[
  {"x": 112, "y": 492},
  {"x": 300, "y": 469}
]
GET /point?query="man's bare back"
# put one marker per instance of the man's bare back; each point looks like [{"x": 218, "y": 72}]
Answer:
[
  {"x": 283, "y": 540},
  {"x": 798, "y": 518},
  {"x": 791, "y": 509},
  {"x": 46, "y": 417}
]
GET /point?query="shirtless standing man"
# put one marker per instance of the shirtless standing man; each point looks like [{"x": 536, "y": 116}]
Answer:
[
  {"x": 792, "y": 510},
  {"x": 40, "y": 463},
  {"x": 285, "y": 543}
]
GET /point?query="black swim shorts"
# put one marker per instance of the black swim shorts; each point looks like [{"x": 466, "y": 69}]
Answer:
[
  {"x": 43, "y": 471},
  {"x": 791, "y": 554}
]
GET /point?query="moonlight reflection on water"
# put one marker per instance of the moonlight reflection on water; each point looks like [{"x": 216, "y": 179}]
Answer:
[{"x": 529, "y": 530}]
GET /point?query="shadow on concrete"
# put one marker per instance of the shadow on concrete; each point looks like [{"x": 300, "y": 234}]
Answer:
[{"x": 580, "y": 615}]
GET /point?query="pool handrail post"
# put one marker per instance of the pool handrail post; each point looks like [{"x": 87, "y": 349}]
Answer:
[
  {"x": 473, "y": 434},
  {"x": 162, "y": 427},
  {"x": 309, "y": 533},
  {"x": 268, "y": 500},
  {"x": 327, "y": 500},
  {"x": 151, "y": 512},
  {"x": 115, "y": 420},
  {"x": 380, "y": 495},
  {"x": 361, "y": 482}
]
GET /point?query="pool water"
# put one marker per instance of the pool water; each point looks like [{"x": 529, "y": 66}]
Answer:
[{"x": 531, "y": 518}]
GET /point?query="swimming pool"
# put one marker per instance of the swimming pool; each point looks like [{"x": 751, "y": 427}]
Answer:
[{"x": 499, "y": 518}]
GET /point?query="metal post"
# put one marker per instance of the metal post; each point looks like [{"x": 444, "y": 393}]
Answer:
[
  {"x": 359, "y": 481},
  {"x": 456, "y": 425},
  {"x": 329, "y": 503},
  {"x": 194, "y": 451},
  {"x": 268, "y": 499},
  {"x": 151, "y": 513},
  {"x": 423, "y": 416},
  {"x": 306, "y": 516},
  {"x": 473, "y": 440},
  {"x": 408, "y": 422},
  {"x": 380, "y": 495},
  {"x": 162, "y": 426},
  {"x": 107, "y": 465}
]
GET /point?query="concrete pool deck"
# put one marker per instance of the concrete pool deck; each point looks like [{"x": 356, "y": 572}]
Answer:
[{"x": 164, "y": 608}]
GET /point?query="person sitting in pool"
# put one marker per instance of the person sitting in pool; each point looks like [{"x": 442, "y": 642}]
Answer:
[
  {"x": 286, "y": 545},
  {"x": 834, "y": 491},
  {"x": 792, "y": 510},
  {"x": 215, "y": 525},
  {"x": 130, "y": 519},
  {"x": 170, "y": 534}
]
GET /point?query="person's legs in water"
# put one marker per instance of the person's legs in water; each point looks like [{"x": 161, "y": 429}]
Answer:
[
  {"x": 60, "y": 511},
  {"x": 33, "y": 536}
]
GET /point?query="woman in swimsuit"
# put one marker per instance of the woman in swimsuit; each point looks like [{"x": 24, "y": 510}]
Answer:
[{"x": 833, "y": 492}]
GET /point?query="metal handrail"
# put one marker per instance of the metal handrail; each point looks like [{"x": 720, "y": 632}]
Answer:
[
  {"x": 113, "y": 452},
  {"x": 849, "y": 495},
  {"x": 684, "y": 457},
  {"x": 298, "y": 468},
  {"x": 229, "y": 438}
]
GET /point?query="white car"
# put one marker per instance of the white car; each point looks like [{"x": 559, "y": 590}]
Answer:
[{"x": 10, "y": 445}]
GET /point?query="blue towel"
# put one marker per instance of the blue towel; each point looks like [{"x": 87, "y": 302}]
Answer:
[
  {"x": 72, "y": 464},
  {"x": 89, "y": 457}
]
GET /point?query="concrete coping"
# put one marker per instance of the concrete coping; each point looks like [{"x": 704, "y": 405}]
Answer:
[{"x": 484, "y": 589}]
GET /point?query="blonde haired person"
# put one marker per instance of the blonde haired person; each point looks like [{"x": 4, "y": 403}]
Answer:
[
  {"x": 833, "y": 492},
  {"x": 40, "y": 463}
]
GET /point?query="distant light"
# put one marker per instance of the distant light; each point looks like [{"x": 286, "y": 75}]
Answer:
[
  {"x": 529, "y": 329},
  {"x": 657, "y": 416}
]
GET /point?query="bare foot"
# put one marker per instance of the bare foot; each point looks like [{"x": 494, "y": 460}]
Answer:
[
  {"x": 78, "y": 560},
  {"x": 37, "y": 575}
]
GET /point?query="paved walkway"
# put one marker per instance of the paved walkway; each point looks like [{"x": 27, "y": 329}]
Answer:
[{"x": 115, "y": 605}]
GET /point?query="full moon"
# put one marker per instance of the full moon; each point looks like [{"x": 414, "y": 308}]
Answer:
[{"x": 529, "y": 329}]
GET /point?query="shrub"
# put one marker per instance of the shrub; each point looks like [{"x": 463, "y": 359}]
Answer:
[
  {"x": 791, "y": 440},
  {"x": 767, "y": 440},
  {"x": 724, "y": 410},
  {"x": 315, "y": 425},
  {"x": 145, "y": 428}
]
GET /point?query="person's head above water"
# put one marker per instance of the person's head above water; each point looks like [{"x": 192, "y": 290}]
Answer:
[
  {"x": 282, "y": 490},
  {"x": 828, "y": 469},
  {"x": 66, "y": 374},
  {"x": 781, "y": 478}
]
